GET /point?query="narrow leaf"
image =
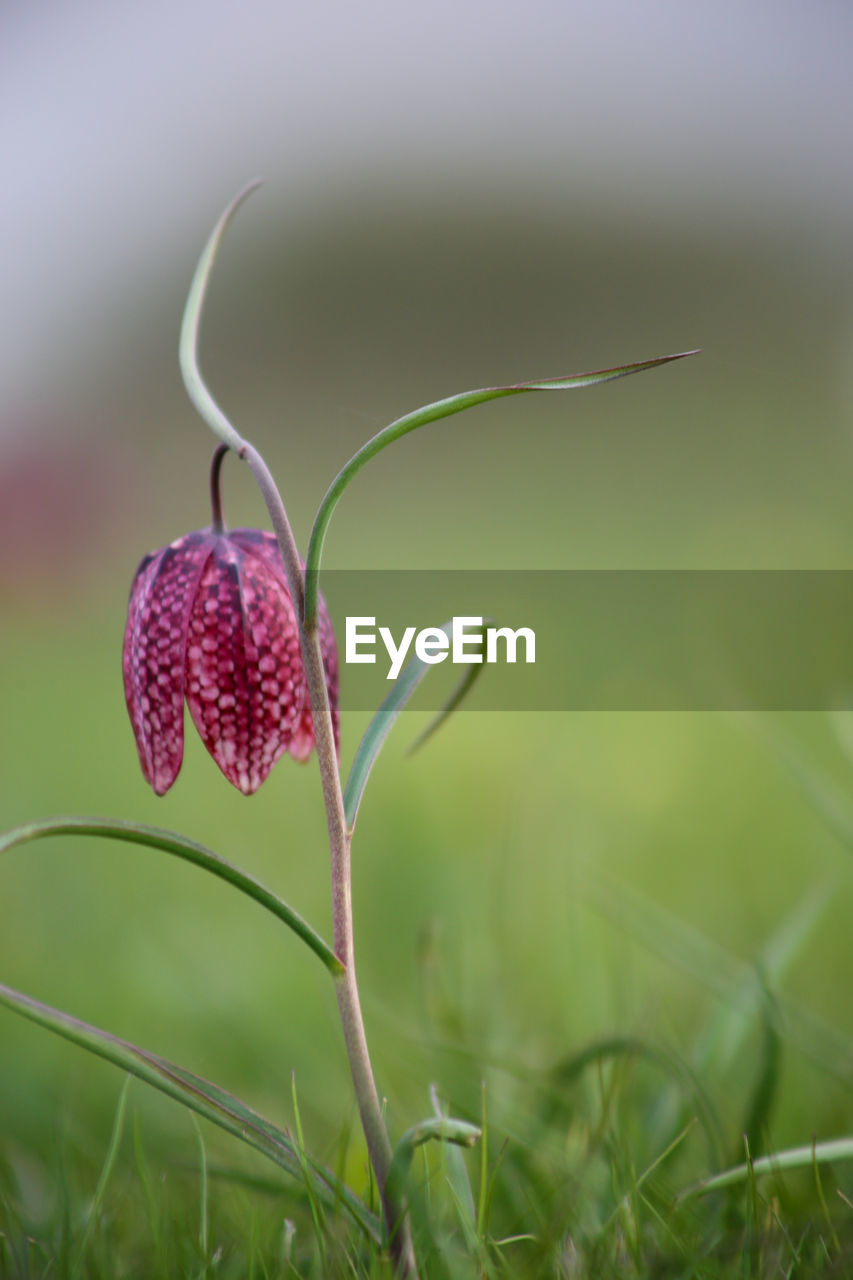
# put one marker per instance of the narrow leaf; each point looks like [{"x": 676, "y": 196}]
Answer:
[
  {"x": 180, "y": 847},
  {"x": 193, "y": 380},
  {"x": 435, "y": 1129},
  {"x": 201, "y": 1096},
  {"x": 729, "y": 979},
  {"x": 103, "y": 1180},
  {"x": 795, "y": 1158},
  {"x": 204, "y": 1222},
  {"x": 482, "y": 1199},
  {"x": 457, "y": 697},
  {"x": 381, "y": 724},
  {"x": 432, "y": 413},
  {"x": 318, "y": 1218}
]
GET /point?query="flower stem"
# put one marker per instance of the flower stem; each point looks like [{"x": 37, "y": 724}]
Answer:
[
  {"x": 217, "y": 523},
  {"x": 349, "y": 1005}
]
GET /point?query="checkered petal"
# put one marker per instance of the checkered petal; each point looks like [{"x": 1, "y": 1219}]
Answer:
[
  {"x": 154, "y": 653},
  {"x": 245, "y": 682},
  {"x": 265, "y": 545}
]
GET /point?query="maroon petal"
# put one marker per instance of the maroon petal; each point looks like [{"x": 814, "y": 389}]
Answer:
[
  {"x": 153, "y": 654},
  {"x": 265, "y": 545},
  {"x": 303, "y": 739},
  {"x": 245, "y": 684}
]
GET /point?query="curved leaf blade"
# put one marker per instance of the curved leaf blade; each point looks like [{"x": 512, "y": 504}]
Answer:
[
  {"x": 190, "y": 851},
  {"x": 188, "y": 349},
  {"x": 435, "y": 1129},
  {"x": 794, "y": 1158},
  {"x": 383, "y": 721},
  {"x": 457, "y": 697},
  {"x": 199, "y": 1095},
  {"x": 432, "y": 413}
]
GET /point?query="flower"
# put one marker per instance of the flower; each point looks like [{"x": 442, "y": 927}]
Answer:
[{"x": 210, "y": 618}]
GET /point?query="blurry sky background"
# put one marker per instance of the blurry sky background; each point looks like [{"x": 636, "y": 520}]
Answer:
[{"x": 456, "y": 195}]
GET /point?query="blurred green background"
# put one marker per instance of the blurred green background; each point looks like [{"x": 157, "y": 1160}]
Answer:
[{"x": 528, "y": 882}]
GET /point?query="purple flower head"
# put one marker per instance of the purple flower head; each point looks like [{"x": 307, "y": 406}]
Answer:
[{"x": 211, "y": 619}]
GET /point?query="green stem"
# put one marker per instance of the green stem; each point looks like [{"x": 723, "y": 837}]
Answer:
[
  {"x": 346, "y": 985},
  {"x": 349, "y": 1005}
]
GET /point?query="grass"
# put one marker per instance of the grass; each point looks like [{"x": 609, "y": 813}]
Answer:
[
  {"x": 592, "y": 1159},
  {"x": 620, "y": 943},
  {"x": 620, "y": 1037},
  {"x": 585, "y": 1191}
]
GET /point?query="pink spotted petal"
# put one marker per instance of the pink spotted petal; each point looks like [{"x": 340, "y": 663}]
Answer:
[
  {"x": 153, "y": 654},
  {"x": 265, "y": 544},
  {"x": 245, "y": 685}
]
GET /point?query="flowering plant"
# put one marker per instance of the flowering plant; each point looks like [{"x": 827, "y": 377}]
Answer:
[
  {"x": 233, "y": 624},
  {"x": 210, "y": 618}
]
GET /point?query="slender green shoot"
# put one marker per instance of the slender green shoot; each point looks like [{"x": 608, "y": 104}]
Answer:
[
  {"x": 822, "y": 1201},
  {"x": 103, "y": 1180},
  {"x": 203, "y": 1231},
  {"x": 151, "y": 1193},
  {"x": 482, "y": 1204},
  {"x": 752, "y": 1252},
  {"x": 317, "y": 1215},
  {"x": 490, "y": 1189}
]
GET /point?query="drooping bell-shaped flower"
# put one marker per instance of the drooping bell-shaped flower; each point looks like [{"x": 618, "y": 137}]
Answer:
[{"x": 211, "y": 620}]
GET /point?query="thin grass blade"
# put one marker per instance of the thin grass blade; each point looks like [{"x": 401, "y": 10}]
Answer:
[
  {"x": 482, "y": 1203},
  {"x": 726, "y": 1032},
  {"x": 201, "y": 1096},
  {"x": 103, "y": 1180},
  {"x": 713, "y": 967},
  {"x": 204, "y": 1215},
  {"x": 316, "y": 1209},
  {"x": 816, "y": 1154},
  {"x": 180, "y": 847},
  {"x": 151, "y": 1193}
]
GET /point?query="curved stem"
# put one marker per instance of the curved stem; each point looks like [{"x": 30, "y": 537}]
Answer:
[
  {"x": 346, "y": 985},
  {"x": 349, "y": 1005},
  {"x": 217, "y": 523}
]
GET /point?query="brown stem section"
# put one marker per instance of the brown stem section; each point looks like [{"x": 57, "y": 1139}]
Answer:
[
  {"x": 217, "y": 523},
  {"x": 349, "y": 1005}
]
